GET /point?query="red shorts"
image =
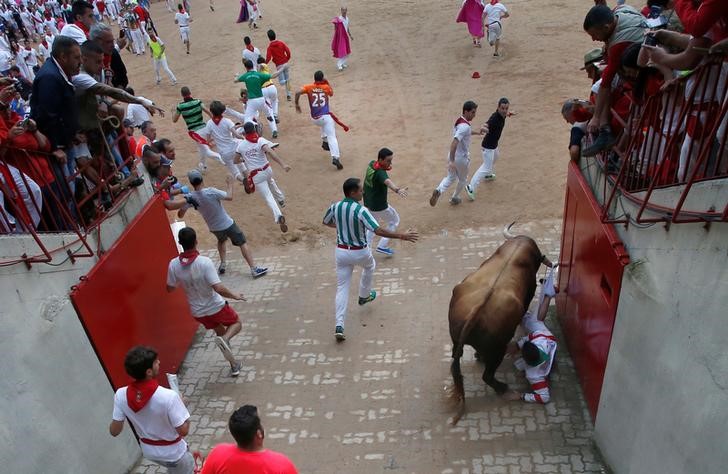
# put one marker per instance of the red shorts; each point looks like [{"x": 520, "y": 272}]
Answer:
[{"x": 226, "y": 316}]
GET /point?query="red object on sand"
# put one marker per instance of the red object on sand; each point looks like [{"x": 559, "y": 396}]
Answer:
[{"x": 476, "y": 75}]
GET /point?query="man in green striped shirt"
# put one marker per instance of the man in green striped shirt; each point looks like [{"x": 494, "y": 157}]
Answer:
[
  {"x": 191, "y": 109},
  {"x": 351, "y": 221}
]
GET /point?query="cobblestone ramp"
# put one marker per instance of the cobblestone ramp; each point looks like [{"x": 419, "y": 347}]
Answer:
[{"x": 379, "y": 401}]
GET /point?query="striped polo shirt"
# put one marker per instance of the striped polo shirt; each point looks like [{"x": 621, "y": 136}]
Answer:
[
  {"x": 191, "y": 112},
  {"x": 352, "y": 221}
]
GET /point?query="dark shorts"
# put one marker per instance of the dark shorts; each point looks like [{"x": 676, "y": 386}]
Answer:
[
  {"x": 576, "y": 135},
  {"x": 226, "y": 316},
  {"x": 233, "y": 233}
]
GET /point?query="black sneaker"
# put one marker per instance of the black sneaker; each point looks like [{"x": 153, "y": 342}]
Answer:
[
  {"x": 337, "y": 163},
  {"x": 221, "y": 269},
  {"x": 605, "y": 140},
  {"x": 325, "y": 145},
  {"x": 339, "y": 334},
  {"x": 372, "y": 296}
]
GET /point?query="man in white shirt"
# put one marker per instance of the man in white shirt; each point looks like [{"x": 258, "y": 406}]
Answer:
[
  {"x": 158, "y": 414},
  {"x": 5, "y": 62},
  {"x": 459, "y": 155},
  {"x": 254, "y": 152},
  {"x": 494, "y": 12},
  {"x": 251, "y": 52},
  {"x": 83, "y": 15},
  {"x": 221, "y": 131},
  {"x": 196, "y": 274},
  {"x": 138, "y": 112},
  {"x": 219, "y": 221},
  {"x": 182, "y": 19}
]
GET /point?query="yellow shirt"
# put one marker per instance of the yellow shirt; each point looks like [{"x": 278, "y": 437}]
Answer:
[
  {"x": 263, "y": 67},
  {"x": 156, "y": 47}
]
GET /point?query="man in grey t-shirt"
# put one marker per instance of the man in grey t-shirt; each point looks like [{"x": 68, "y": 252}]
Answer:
[{"x": 219, "y": 221}]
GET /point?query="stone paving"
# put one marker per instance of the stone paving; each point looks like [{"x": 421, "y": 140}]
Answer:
[{"x": 379, "y": 402}]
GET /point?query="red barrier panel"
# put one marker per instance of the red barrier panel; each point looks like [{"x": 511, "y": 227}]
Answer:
[
  {"x": 123, "y": 301},
  {"x": 590, "y": 279}
]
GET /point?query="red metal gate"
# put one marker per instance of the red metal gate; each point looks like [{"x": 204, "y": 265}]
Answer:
[
  {"x": 590, "y": 279},
  {"x": 123, "y": 301}
]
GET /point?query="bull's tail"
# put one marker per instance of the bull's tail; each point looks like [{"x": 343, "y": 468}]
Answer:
[
  {"x": 458, "y": 392},
  {"x": 507, "y": 231}
]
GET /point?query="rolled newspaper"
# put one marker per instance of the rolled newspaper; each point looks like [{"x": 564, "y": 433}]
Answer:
[{"x": 173, "y": 384}]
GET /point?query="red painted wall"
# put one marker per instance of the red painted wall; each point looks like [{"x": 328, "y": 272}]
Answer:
[
  {"x": 123, "y": 300},
  {"x": 590, "y": 279}
]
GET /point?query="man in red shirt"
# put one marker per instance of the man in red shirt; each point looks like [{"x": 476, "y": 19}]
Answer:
[
  {"x": 280, "y": 54},
  {"x": 618, "y": 30},
  {"x": 248, "y": 454},
  {"x": 707, "y": 18}
]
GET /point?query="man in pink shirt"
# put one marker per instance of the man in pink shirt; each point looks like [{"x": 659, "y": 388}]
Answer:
[{"x": 248, "y": 454}]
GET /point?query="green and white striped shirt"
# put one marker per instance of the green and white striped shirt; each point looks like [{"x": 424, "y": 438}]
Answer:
[{"x": 352, "y": 221}]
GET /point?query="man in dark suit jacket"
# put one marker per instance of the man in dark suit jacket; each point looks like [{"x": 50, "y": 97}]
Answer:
[{"x": 53, "y": 104}]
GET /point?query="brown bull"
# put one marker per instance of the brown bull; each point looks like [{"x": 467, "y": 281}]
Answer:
[{"x": 488, "y": 305}]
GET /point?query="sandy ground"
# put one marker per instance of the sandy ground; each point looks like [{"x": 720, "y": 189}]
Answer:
[{"x": 409, "y": 74}]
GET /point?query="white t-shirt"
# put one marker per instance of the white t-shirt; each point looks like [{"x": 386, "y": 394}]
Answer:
[
  {"x": 211, "y": 208},
  {"x": 157, "y": 420},
  {"x": 239, "y": 117},
  {"x": 82, "y": 82},
  {"x": 221, "y": 133},
  {"x": 462, "y": 132},
  {"x": 183, "y": 19},
  {"x": 31, "y": 58},
  {"x": 252, "y": 56},
  {"x": 44, "y": 52},
  {"x": 5, "y": 60},
  {"x": 74, "y": 32},
  {"x": 197, "y": 279},
  {"x": 253, "y": 153},
  {"x": 493, "y": 13},
  {"x": 137, "y": 114}
]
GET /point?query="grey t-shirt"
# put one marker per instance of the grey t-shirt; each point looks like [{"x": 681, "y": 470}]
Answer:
[{"x": 211, "y": 208}]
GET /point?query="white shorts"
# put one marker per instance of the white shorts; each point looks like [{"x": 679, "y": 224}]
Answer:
[
  {"x": 184, "y": 33},
  {"x": 495, "y": 31}
]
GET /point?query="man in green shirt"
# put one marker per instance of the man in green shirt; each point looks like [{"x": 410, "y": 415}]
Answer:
[
  {"x": 376, "y": 185},
  {"x": 156, "y": 45},
  {"x": 254, "y": 81},
  {"x": 191, "y": 109},
  {"x": 352, "y": 221}
]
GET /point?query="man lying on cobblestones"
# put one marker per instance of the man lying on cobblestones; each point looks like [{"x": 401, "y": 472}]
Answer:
[
  {"x": 248, "y": 454},
  {"x": 158, "y": 414},
  {"x": 197, "y": 275}
]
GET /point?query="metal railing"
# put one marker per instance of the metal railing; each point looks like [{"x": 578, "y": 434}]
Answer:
[
  {"x": 70, "y": 203},
  {"x": 676, "y": 138}
]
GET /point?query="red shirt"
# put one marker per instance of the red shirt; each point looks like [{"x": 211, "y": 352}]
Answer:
[
  {"x": 33, "y": 164},
  {"x": 708, "y": 18},
  {"x": 279, "y": 52},
  {"x": 229, "y": 459}
]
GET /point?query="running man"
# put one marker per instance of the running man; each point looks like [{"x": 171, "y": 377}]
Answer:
[
  {"x": 319, "y": 95},
  {"x": 219, "y": 222},
  {"x": 182, "y": 19},
  {"x": 254, "y": 151},
  {"x": 191, "y": 109},
  {"x": 280, "y": 54},
  {"x": 269, "y": 90},
  {"x": 254, "y": 81},
  {"x": 158, "y": 414},
  {"x": 493, "y": 14},
  {"x": 221, "y": 131},
  {"x": 196, "y": 274},
  {"x": 159, "y": 57},
  {"x": 495, "y": 124},
  {"x": 458, "y": 158},
  {"x": 351, "y": 221},
  {"x": 376, "y": 184},
  {"x": 251, "y": 52}
]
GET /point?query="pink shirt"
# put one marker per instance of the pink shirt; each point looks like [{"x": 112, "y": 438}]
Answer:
[{"x": 229, "y": 459}]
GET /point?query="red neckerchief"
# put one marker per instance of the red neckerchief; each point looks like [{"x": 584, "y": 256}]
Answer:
[
  {"x": 217, "y": 120},
  {"x": 321, "y": 82},
  {"x": 187, "y": 98},
  {"x": 47, "y": 16},
  {"x": 461, "y": 120},
  {"x": 493, "y": 2},
  {"x": 139, "y": 392},
  {"x": 377, "y": 166},
  {"x": 83, "y": 27},
  {"x": 188, "y": 256},
  {"x": 249, "y": 47},
  {"x": 182, "y": 11},
  {"x": 252, "y": 137},
  {"x": 44, "y": 43}
]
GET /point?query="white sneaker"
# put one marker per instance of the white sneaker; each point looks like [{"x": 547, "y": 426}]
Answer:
[{"x": 470, "y": 193}]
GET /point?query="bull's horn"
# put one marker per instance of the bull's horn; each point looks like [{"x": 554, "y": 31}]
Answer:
[{"x": 507, "y": 231}]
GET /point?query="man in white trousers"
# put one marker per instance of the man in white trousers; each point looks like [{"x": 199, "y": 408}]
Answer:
[
  {"x": 221, "y": 131},
  {"x": 458, "y": 158},
  {"x": 254, "y": 81},
  {"x": 376, "y": 184},
  {"x": 182, "y": 19},
  {"x": 319, "y": 95},
  {"x": 191, "y": 110},
  {"x": 495, "y": 125},
  {"x": 351, "y": 221},
  {"x": 270, "y": 93},
  {"x": 254, "y": 151},
  {"x": 159, "y": 57}
]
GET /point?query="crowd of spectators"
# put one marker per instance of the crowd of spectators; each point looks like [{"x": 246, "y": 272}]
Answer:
[
  {"x": 67, "y": 145},
  {"x": 658, "y": 88}
]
